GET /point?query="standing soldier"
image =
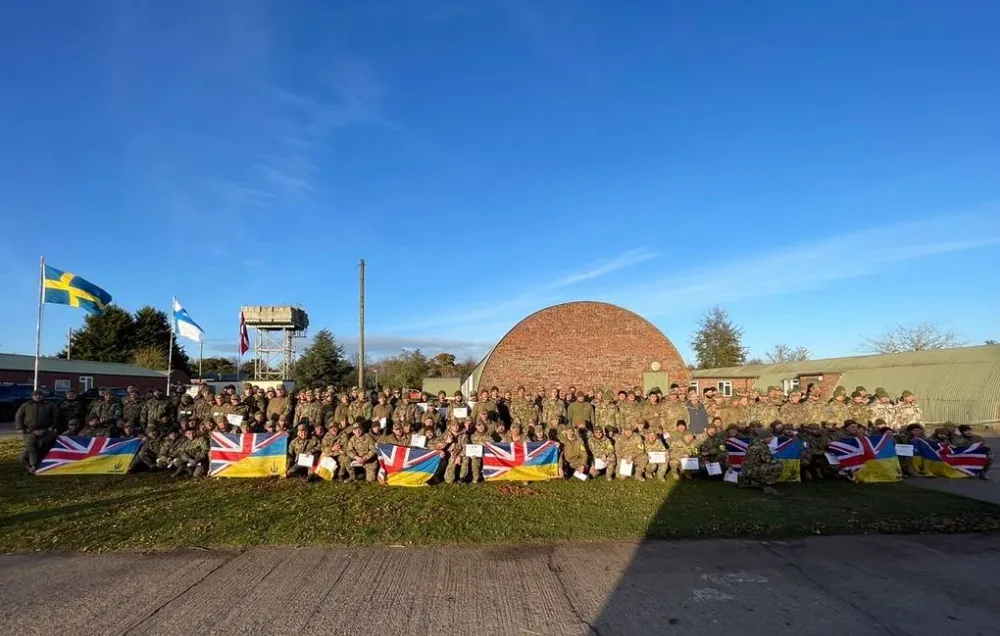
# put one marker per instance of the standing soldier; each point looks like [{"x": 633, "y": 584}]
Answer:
[
  {"x": 237, "y": 409},
  {"x": 71, "y": 408},
  {"x": 794, "y": 413},
  {"x": 552, "y": 406},
  {"x": 342, "y": 414},
  {"x": 522, "y": 409},
  {"x": 360, "y": 407},
  {"x": 629, "y": 447},
  {"x": 479, "y": 436},
  {"x": 408, "y": 411},
  {"x": 278, "y": 403},
  {"x": 132, "y": 406},
  {"x": 768, "y": 408},
  {"x": 455, "y": 460},
  {"x": 457, "y": 403},
  {"x": 858, "y": 410},
  {"x": 580, "y": 412},
  {"x": 882, "y": 408},
  {"x": 907, "y": 411},
  {"x": 37, "y": 420},
  {"x": 602, "y": 449},
  {"x": 108, "y": 410},
  {"x": 674, "y": 410},
  {"x": 186, "y": 408},
  {"x": 155, "y": 407},
  {"x": 487, "y": 405},
  {"x": 629, "y": 409},
  {"x": 381, "y": 411},
  {"x": 606, "y": 413},
  {"x": 652, "y": 411}
]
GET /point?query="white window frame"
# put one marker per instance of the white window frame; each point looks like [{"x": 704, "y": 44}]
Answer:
[
  {"x": 725, "y": 388},
  {"x": 86, "y": 383},
  {"x": 693, "y": 384},
  {"x": 789, "y": 384},
  {"x": 62, "y": 386}
]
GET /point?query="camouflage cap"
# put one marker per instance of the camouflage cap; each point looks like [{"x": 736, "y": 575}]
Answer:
[
  {"x": 856, "y": 394},
  {"x": 303, "y": 425},
  {"x": 907, "y": 394},
  {"x": 457, "y": 394},
  {"x": 860, "y": 388},
  {"x": 773, "y": 388},
  {"x": 839, "y": 391},
  {"x": 881, "y": 392},
  {"x": 655, "y": 390}
]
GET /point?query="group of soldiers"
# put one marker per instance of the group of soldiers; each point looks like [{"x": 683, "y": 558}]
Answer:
[{"x": 600, "y": 434}]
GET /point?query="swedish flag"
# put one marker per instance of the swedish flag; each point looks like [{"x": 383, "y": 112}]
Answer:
[{"x": 63, "y": 288}]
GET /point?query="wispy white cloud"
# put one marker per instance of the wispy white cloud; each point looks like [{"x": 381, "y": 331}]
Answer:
[
  {"x": 810, "y": 265},
  {"x": 628, "y": 259}
]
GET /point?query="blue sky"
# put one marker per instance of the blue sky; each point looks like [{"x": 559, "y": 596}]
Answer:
[{"x": 822, "y": 170}]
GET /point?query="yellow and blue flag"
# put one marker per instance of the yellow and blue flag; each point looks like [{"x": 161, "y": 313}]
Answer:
[
  {"x": 63, "y": 288},
  {"x": 248, "y": 455},
  {"x": 788, "y": 450},
  {"x": 523, "y": 461},
  {"x": 89, "y": 456},
  {"x": 406, "y": 466},
  {"x": 934, "y": 459},
  {"x": 869, "y": 458}
]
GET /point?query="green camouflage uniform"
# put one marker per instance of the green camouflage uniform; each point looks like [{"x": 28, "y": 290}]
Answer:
[
  {"x": 192, "y": 456},
  {"x": 659, "y": 471},
  {"x": 574, "y": 455},
  {"x": 363, "y": 447},
  {"x": 70, "y": 410},
  {"x": 603, "y": 448},
  {"x": 132, "y": 409},
  {"x": 552, "y": 407},
  {"x": 760, "y": 467},
  {"x": 632, "y": 448},
  {"x": 523, "y": 412},
  {"x": 153, "y": 409},
  {"x": 683, "y": 449},
  {"x": 108, "y": 411},
  {"x": 298, "y": 446},
  {"x": 454, "y": 460}
]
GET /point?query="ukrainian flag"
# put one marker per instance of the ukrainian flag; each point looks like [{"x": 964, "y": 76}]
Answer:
[
  {"x": 789, "y": 451},
  {"x": 63, "y": 288},
  {"x": 931, "y": 459},
  {"x": 524, "y": 461},
  {"x": 406, "y": 466}
]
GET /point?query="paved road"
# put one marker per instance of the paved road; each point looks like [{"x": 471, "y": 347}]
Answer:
[{"x": 850, "y": 585}]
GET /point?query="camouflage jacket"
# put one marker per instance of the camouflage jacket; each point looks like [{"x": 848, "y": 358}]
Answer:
[
  {"x": 603, "y": 448},
  {"x": 629, "y": 447},
  {"x": 363, "y": 447},
  {"x": 574, "y": 452}
]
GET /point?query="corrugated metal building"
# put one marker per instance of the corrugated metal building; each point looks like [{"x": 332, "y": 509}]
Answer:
[{"x": 960, "y": 385}]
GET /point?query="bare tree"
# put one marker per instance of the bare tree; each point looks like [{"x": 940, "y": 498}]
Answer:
[
  {"x": 784, "y": 353},
  {"x": 923, "y": 336}
]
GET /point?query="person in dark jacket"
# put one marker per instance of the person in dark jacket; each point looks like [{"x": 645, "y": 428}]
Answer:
[
  {"x": 37, "y": 420},
  {"x": 697, "y": 415}
]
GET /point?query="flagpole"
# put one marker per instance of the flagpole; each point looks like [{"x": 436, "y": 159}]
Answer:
[
  {"x": 38, "y": 324},
  {"x": 239, "y": 348},
  {"x": 201, "y": 357},
  {"x": 170, "y": 345}
]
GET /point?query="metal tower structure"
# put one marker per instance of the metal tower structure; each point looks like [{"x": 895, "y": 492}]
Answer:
[{"x": 274, "y": 345}]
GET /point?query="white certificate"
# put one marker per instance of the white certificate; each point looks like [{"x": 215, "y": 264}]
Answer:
[
  {"x": 461, "y": 412},
  {"x": 832, "y": 459},
  {"x": 357, "y": 463},
  {"x": 580, "y": 476},
  {"x": 689, "y": 463},
  {"x": 625, "y": 468},
  {"x": 382, "y": 421},
  {"x": 423, "y": 406},
  {"x": 600, "y": 464},
  {"x": 418, "y": 441},
  {"x": 731, "y": 477},
  {"x": 657, "y": 457},
  {"x": 713, "y": 468},
  {"x": 234, "y": 419},
  {"x": 328, "y": 463},
  {"x": 904, "y": 450},
  {"x": 473, "y": 450},
  {"x": 305, "y": 459}
]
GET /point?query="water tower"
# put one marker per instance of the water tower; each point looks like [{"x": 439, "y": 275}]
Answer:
[{"x": 274, "y": 347}]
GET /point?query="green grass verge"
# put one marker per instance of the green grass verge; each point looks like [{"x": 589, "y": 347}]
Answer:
[{"x": 153, "y": 511}]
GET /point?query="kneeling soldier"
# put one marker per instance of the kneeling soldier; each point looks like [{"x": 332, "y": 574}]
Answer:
[
  {"x": 303, "y": 444},
  {"x": 360, "y": 452},
  {"x": 629, "y": 447},
  {"x": 574, "y": 454},
  {"x": 603, "y": 449},
  {"x": 655, "y": 445}
]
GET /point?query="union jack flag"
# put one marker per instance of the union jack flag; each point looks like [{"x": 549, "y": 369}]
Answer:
[
  {"x": 499, "y": 459},
  {"x": 855, "y": 452},
  {"x": 67, "y": 451},
  {"x": 421, "y": 462},
  {"x": 229, "y": 450},
  {"x": 970, "y": 460},
  {"x": 736, "y": 450}
]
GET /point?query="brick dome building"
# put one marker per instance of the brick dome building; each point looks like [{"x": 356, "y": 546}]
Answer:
[{"x": 583, "y": 344}]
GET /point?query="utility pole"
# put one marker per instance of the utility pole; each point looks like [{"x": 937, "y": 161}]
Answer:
[
  {"x": 361, "y": 327},
  {"x": 69, "y": 343}
]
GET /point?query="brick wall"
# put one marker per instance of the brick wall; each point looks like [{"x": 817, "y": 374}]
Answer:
[
  {"x": 744, "y": 384},
  {"x": 828, "y": 383},
  {"x": 581, "y": 344}
]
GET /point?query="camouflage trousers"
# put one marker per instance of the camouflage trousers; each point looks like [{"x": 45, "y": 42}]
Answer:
[
  {"x": 609, "y": 472},
  {"x": 760, "y": 476},
  {"x": 473, "y": 465},
  {"x": 657, "y": 470},
  {"x": 455, "y": 468},
  {"x": 370, "y": 467},
  {"x": 147, "y": 457},
  {"x": 196, "y": 466},
  {"x": 35, "y": 447},
  {"x": 639, "y": 464}
]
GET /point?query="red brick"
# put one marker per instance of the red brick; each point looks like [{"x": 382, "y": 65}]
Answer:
[{"x": 582, "y": 344}]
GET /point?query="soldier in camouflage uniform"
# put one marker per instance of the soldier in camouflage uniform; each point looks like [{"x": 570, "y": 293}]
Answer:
[
  {"x": 712, "y": 448},
  {"x": 168, "y": 449},
  {"x": 132, "y": 406},
  {"x": 654, "y": 444},
  {"x": 630, "y": 447},
  {"x": 71, "y": 408},
  {"x": 837, "y": 408},
  {"x": 815, "y": 443},
  {"x": 761, "y": 469},
  {"x": 767, "y": 409},
  {"x": 907, "y": 411},
  {"x": 858, "y": 410},
  {"x": 475, "y": 464},
  {"x": 883, "y": 408},
  {"x": 651, "y": 411},
  {"x": 965, "y": 436},
  {"x": 574, "y": 454},
  {"x": 602, "y": 448},
  {"x": 380, "y": 411},
  {"x": 629, "y": 410},
  {"x": 108, "y": 410},
  {"x": 192, "y": 455},
  {"x": 685, "y": 448},
  {"x": 794, "y": 412},
  {"x": 408, "y": 411},
  {"x": 278, "y": 403},
  {"x": 455, "y": 462},
  {"x": 734, "y": 412},
  {"x": 156, "y": 407},
  {"x": 146, "y": 457},
  {"x": 906, "y": 436},
  {"x": 522, "y": 409},
  {"x": 674, "y": 410},
  {"x": 360, "y": 450},
  {"x": 457, "y": 402},
  {"x": 303, "y": 444},
  {"x": 552, "y": 406},
  {"x": 500, "y": 434},
  {"x": 580, "y": 411},
  {"x": 605, "y": 413}
]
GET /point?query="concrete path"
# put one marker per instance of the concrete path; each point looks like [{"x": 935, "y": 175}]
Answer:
[
  {"x": 825, "y": 585},
  {"x": 984, "y": 490}
]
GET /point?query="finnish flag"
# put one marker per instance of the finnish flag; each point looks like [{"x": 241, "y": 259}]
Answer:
[{"x": 185, "y": 326}]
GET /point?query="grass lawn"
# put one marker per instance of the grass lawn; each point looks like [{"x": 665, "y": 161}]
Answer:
[{"x": 146, "y": 511}]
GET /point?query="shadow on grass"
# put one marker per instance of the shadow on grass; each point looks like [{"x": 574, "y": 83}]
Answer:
[{"x": 62, "y": 512}]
